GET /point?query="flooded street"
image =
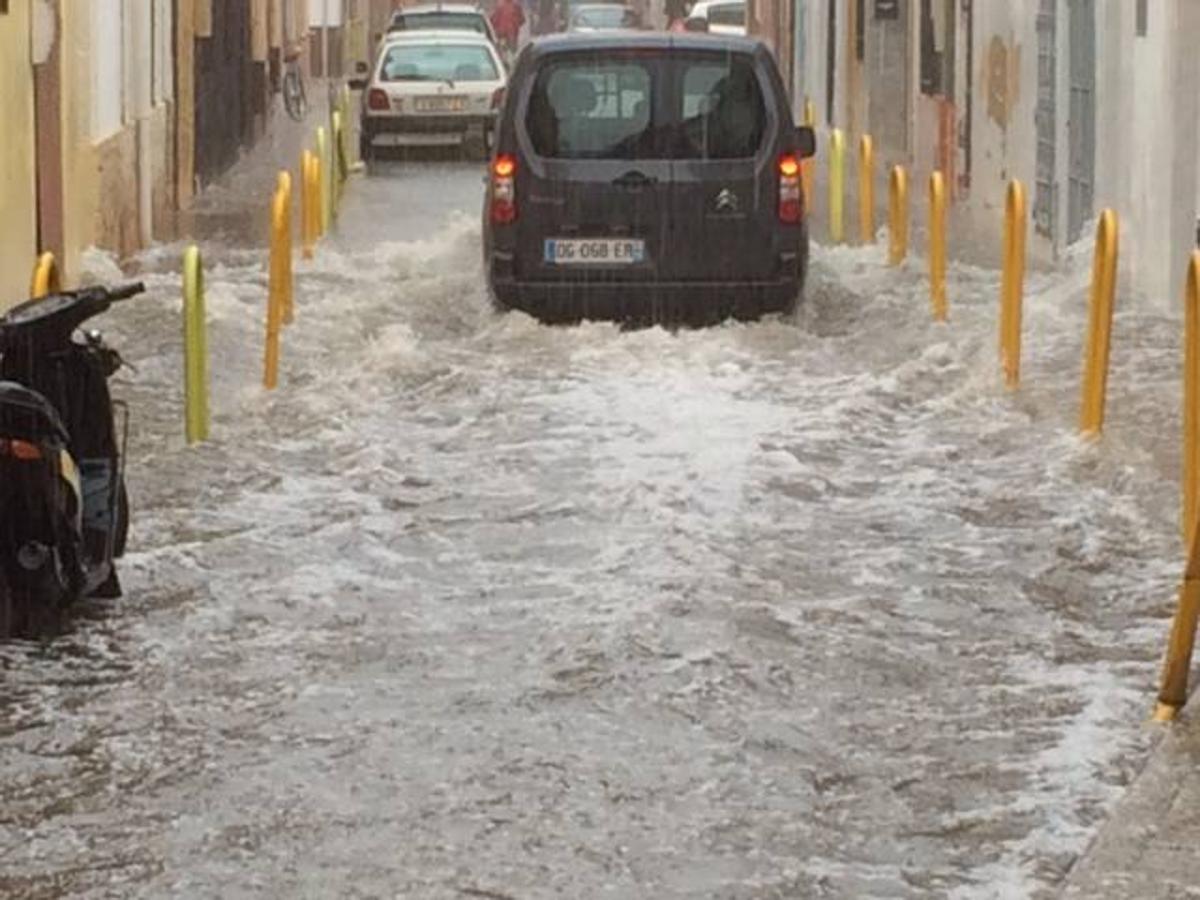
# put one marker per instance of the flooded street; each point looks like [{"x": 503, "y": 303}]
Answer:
[{"x": 474, "y": 607}]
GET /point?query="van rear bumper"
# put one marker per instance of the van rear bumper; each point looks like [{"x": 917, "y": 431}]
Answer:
[{"x": 683, "y": 302}]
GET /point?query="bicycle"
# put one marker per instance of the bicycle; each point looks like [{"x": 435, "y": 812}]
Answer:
[{"x": 295, "y": 99}]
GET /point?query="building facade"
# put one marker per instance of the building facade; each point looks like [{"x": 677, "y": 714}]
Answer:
[
  {"x": 1091, "y": 103},
  {"x": 18, "y": 154},
  {"x": 117, "y": 111}
]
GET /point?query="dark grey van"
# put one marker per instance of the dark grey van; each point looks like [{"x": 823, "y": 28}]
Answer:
[{"x": 646, "y": 177}]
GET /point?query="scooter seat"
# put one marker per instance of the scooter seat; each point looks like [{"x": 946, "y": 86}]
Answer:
[{"x": 28, "y": 415}]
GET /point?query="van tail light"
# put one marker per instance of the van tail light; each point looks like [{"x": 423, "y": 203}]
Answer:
[
  {"x": 22, "y": 450},
  {"x": 504, "y": 195},
  {"x": 791, "y": 208},
  {"x": 498, "y": 97},
  {"x": 378, "y": 100}
]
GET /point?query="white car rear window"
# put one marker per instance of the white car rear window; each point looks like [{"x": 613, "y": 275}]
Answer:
[
  {"x": 440, "y": 21},
  {"x": 438, "y": 62},
  {"x": 727, "y": 14}
]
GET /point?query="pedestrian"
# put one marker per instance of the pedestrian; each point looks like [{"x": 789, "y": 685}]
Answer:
[
  {"x": 507, "y": 19},
  {"x": 677, "y": 11}
]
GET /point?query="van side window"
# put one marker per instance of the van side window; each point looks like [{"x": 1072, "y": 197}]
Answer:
[
  {"x": 724, "y": 116},
  {"x": 590, "y": 109}
]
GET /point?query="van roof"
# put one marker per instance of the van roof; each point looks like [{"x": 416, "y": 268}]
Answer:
[{"x": 650, "y": 40}]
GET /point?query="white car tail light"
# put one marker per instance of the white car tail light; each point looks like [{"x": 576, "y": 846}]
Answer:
[{"x": 378, "y": 100}]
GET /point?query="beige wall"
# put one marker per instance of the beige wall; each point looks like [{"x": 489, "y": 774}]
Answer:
[
  {"x": 81, "y": 186},
  {"x": 18, "y": 176}
]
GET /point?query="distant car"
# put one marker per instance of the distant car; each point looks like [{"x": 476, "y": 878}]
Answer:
[
  {"x": 566, "y": 9},
  {"x": 442, "y": 17},
  {"x": 603, "y": 17},
  {"x": 432, "y": 88},
  {"x": 722, "y": 16},
  {"x": 646, "y": 176}
]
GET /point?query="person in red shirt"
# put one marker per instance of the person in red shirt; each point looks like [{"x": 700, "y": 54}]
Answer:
[{"x": 507, "y": 19}]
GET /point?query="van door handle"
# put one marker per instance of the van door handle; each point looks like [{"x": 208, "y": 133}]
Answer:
[{"x": 634, "y": 180}]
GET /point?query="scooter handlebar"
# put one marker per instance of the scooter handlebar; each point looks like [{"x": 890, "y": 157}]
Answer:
[{"x": 125, "y": 291}]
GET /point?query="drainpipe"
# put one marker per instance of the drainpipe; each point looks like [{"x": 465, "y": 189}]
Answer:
[{"x": 142, "y": 61}]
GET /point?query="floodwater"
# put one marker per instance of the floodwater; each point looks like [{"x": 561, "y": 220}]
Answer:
[{"x": 473, "y": 607}]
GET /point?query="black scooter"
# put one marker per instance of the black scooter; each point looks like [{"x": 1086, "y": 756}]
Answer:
[{"x": 64, "y": 513}]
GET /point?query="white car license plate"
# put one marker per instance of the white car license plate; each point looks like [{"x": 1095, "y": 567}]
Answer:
[
  {"x": 439, "y": 104},
  {"x": 606, "y": 251}
]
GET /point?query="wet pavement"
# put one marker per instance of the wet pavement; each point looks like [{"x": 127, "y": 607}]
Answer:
[{"x": 472, "y": 607}]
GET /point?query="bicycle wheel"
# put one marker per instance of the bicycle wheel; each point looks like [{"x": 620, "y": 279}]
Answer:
[{"x": 293, "y": 95}]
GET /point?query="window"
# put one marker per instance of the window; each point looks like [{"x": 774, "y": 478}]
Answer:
[
  {"x": 727, "y": 14},
  {"x": 438, "y": 62},
  {"x": 610, "y": 16},
  {"x": 723, "y": 111},
  {"x": 937, "y": 47},
  {"x": 439, "y": 21},
  {"x": 1143, "y": 18},
  {"x": 684, "y": 106},
  {"x": 108, "y": 69},
  {"x": 860, "y": 30},
  {"x": 162, "y": 51},
  {"x": 592, "y": 109}
]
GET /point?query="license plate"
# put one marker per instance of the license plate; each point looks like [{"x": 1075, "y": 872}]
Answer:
[
  {"x": 440, "y": 104},
  {"x": 608, "y": 251}
]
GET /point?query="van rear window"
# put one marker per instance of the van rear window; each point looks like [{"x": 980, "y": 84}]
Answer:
[
  {"x": 677, "y": 106},
  {"x": 590, "y": 109},
  {"x": 723, "y": 112}
]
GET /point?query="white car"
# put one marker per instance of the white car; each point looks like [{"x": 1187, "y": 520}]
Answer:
[
  {"x": 442, "y": 17},
  {"x": 603, "y": 17},
  {"x": 432, "y": 88},
  {"x": 722, "y": 16}
]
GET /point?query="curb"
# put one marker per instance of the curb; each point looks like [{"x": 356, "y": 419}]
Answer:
[{"x": 1150, "y": 846}]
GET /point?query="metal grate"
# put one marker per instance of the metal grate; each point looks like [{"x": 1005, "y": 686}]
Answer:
[{"x": 1045, "y": 198}]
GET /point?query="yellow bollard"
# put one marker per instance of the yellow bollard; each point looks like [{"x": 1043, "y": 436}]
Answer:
[
  {"x": 1172, "y": 694},
  {"x": 308, "y": 206},
  {"x": 325, "y": 206},
  {"x": 897, "y": 216},
  {"x": 46, "y": 278},
  {"x": 808, "y": 171},
  {"x": 866, "y": 190},
  {"x": 837, "y": 185},
  {"x": 808, "y": 167},
  {"x": 1191, "y": 401},
  {"x": 277, "y": 286},
  {"x": 195, "y": 343},
  {"x": 1012, "y": 288},
  {"x": 285, "y": 187},
  {"x": 354, "y": 163},
  {"x": 937, "y": 247},
  {"x": 1104, "y": 286},
  {"x": 341, "y": 161}
]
